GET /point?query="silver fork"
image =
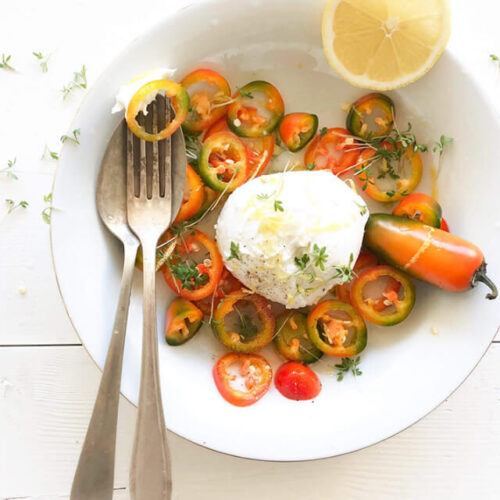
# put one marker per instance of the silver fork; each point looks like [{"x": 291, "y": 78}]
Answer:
[{"x": 149, "y": 211}]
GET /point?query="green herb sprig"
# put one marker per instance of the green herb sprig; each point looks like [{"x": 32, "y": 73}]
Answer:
[
  {"x": 187, "y": 274},
  {"x": 235, "y": 251},
  {"x": 8, "y": 169},
  {"x": 13, "y": 205},
  {"x": 79, "y": 82},
  {"x": 43, "y": 61},
  {"x": 346, "y": 273},
  {"x": 319, "y": 256},
  {"x": 47, "y": 211},
  {"x": 442, "y": 144},
  {"x": 348, "y": 365},
  {"x": 5, "y": 64},
  {"x": 74, "y": 137}
]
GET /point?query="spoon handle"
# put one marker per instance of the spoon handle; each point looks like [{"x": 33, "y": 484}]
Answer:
[
  {"x": 150, "y": 470},
  {"x": 95, "y": 471}
]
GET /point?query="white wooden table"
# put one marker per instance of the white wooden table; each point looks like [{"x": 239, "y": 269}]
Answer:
[{"x": 47, "y": 380}]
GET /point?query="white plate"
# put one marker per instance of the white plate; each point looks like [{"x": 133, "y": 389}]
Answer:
[{"x": 407, "y": 370}]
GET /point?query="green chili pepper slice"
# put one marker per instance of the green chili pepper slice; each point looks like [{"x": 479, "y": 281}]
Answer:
[
  {"x": 337, "y": 329},
  {"x": 292, "y": 340}
]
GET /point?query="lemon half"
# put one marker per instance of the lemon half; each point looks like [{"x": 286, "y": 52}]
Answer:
[{"x": 384, "y": 44}]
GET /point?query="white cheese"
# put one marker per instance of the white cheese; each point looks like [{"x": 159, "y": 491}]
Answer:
[{"x": 276, "y": 219}]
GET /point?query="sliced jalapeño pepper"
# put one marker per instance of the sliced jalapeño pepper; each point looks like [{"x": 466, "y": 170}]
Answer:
[
  {"x": 336, "y": 328},
  {"x": 334, "y": 149},
  {"x": 259, "y": 149},
  {"x": 182, "y": 322},
  {"x": 256, "y": 111},
  {"x": 208, "y": 90},
  {"x": 180, "y": 103},
  {"x": 245, "y": 335},
  {"x": 193, "y": 196},
  {"x": 223, "y": 162},
  {"x": 255, "y": 371},
  {"x": 376, "y": 171},
  {"x": 184, "y": 276},
  {"x": 297, "y": 129},
  {"x": 292, "y": 340},
  {"x": 371, "y": 116},
  {"x": 419, "y": 206},
  {"x": 365, "y": 259},
  {"x": 391, "y": 308}
]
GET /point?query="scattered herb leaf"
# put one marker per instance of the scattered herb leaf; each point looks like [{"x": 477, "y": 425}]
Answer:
[
  {"x": 47, "y": 211},
  {"x": 75, "y": 137},
  {"x": 302, "y": 262},
  {"x": 43, "y": 61},
  {"x": 245, "y": 93},
  {"x": 346, "y": 273},
  {"x": 5, "y": 63},
  {"x": 348, "y": 365},
  {"x": 79, "y": 82},
  {"x": 187, "y": 274},
  {"x": 319, "y": 256},
  {"x": 278, "y": 206},
  {"x": 235, "y": 251},
  {"x": 13, "y": 205},
  {"x": 8, "y": 169},
  {"x": 442, "y": 144},
  {"x": 362, "y": 208},
  {"x": 311, "y": 166}
]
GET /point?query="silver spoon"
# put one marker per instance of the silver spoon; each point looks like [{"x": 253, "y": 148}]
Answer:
[{"x": 95, "y": 471}]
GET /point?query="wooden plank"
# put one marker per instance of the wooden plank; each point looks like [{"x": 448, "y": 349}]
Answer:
[
  {"x": 46, "y": 395},
  {"x": 36, "y": 316}
]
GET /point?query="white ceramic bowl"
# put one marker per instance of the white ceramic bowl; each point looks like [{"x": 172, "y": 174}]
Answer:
[{"x": 407, "y": 370}]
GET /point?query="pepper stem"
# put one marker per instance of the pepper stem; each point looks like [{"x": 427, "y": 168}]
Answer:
[{"x": 480, "y": 275}]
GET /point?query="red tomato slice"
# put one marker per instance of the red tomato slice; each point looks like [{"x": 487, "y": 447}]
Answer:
[
  {"x": 297, "y": 381},
  {"x": 444, "y": 225},
  {"x": 256, "y": 374},
  {"x": 335, "y": 150},
  {"x": 259, "y": 149}
]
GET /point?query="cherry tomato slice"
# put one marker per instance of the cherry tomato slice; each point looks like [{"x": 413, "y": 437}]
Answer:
[
  {"x": 297, "y": 129},
  {"x": 296, "y": 381},
  {"x": 188, "y": 280},
  {"x": 223, "y": 162},
  {"x": 193, "y": 196},
  {"x": 254, "y": 369},
  {"x": 371, "y": 116},
  {"x": 379, "y": 311},
  {"x": 256, "y": 111},
  {"x": 372, "y": 169},
  {"x": 248, "y": 339},
  {"x": 180, "y": 103},
  {"x": 336, "y": 328},
  {"x": 421, "y": 207},
  {"x": 208, "y": 91},
  {"x": 259, "y": 149},
  {"x": 183, "y": 320},
  {"x": 444, "y": 225},
  {"x": 334, "y": 149}
]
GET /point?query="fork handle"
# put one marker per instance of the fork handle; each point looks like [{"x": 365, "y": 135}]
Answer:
[
  {"x": 150, "y": 471},
  {"x": 95, "y": 471}
]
